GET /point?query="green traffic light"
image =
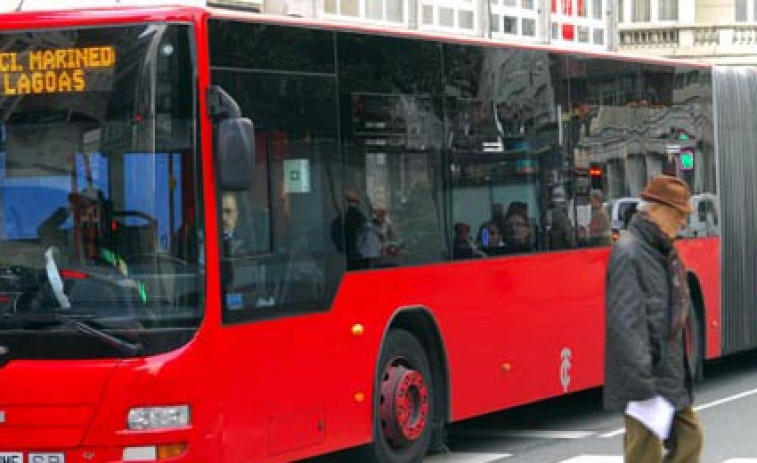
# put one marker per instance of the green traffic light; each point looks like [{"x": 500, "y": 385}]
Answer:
[{"x": 687, "y": 160}]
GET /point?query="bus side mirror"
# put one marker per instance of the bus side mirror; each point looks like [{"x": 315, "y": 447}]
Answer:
[
  {"x": 234, "y": 141},
  {"x": 235, "y": 150}
]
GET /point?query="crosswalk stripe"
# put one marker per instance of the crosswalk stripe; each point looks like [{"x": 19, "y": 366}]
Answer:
[
  {"x": 619, "y": 459},
  {"x": 535, "y": 433},
  {"x": 610, "y": 434},
  {"x": 594, "y": 459},
  {"x": 698, "y": 408},
  {"x": 460, "y": 457}
]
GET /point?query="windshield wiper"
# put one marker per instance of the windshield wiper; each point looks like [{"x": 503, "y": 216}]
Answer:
[{"x": 126, "y": 347}]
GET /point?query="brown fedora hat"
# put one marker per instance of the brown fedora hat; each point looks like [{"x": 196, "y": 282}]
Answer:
[{"x": 668, "y": 190}]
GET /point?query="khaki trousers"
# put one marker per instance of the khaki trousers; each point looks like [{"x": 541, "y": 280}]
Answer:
[{"x": 683, "y": 446}]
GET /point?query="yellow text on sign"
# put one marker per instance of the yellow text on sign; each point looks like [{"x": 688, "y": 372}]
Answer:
[{"x": 51, "y": 71}]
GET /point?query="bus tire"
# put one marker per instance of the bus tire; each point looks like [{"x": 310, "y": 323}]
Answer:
[
  {"x": 404, "y": 401},
  {"x": 695, "y": 345}
]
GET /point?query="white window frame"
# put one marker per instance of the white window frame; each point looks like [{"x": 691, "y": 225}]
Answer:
[
  {"x": 456, "y": 5},
  {"x": 362, "y": 12},
  {"x": 654, "y": 14},
  {"x": 677, "y": 13},
  {"x": 751, "y": 12},
  {"x": 499, "y": 10}
]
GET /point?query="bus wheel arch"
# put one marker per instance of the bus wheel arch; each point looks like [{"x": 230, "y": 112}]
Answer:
[
  {"x": 698, "y": 341},
  {"x": 411, "y": 373}
]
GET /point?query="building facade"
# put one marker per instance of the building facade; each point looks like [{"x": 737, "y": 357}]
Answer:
[
  {"x": 584, "y": 24},
  {"x": 717, "y": 31}
]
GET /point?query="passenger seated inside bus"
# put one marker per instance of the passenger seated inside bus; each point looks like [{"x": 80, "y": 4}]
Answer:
[
  {"x": 497, "y": 217},
  {"x": 518, "y": 237},
  {"x": 463, "y": 246},
  {"x": 561, "y": 234},
  {"x": 391, "y": 245},
  {"x": 491, "y": 241},
  {"x": 348, "y": 232}
]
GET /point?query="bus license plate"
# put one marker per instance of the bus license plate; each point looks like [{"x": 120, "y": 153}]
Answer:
[
  {"x": 46, "y": 458},
  {"x": 11, "y": 457},
  {"x": 18, "y": 457}
]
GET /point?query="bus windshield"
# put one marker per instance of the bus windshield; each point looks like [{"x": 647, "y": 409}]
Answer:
[{"x": 99, "y": 228}]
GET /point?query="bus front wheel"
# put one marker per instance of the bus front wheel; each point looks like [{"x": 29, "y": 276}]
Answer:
[{"x": 403, "y": 406}]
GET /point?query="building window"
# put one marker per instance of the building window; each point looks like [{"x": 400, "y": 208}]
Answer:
[
  {"x": 392, "y": 11},
  {"x": 668, "y": 10},
  {"x": 529, "y": 27},
  {"x": 514, "y": 17},
  {"x": 740, "y": 11},
  {"x": 745, "y": 11},
  {"x": 597, "y": 9},
  {"x": 599, "y": 37},
  {"x": 510, "y": 24},
  {"x": 641, "y": 11},
  {"x": 450, "y": 15},
  {"x": 644, "y": 11},
  {"x": 580, "y": 22}
]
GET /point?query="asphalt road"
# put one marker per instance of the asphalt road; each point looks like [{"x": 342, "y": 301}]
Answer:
[{"x": 575, "y": 429}]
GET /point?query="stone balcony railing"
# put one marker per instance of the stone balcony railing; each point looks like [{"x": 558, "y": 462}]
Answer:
[{"x": 718, "y": 43}]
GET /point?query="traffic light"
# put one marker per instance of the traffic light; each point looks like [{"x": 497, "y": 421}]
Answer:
[
  {"x": 595, "y": 176},
  {"x": 686, "y": 159}
]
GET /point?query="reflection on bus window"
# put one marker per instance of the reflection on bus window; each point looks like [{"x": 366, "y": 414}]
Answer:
[
  {"x": 631, "y": 122},
  {"x": 278, "y": 255},
  {"x": 500, "y": 147}
]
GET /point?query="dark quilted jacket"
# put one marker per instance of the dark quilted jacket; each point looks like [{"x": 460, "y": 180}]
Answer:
[{"x": 641, "y": 359}]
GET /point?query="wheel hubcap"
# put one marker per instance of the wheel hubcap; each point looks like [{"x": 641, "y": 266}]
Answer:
[{"x": 404, "y": 405}]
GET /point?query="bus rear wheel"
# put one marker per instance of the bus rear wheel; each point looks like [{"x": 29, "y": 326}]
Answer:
[{"x": 403, "y": 410}]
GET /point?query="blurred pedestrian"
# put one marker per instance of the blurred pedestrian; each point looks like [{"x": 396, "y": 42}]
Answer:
[{"x": 598, "y": 231}]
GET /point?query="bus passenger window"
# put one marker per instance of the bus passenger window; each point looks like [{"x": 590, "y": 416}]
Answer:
[
  {"x": 500, "y": 154},
  {"x": 279, "y": 258}
]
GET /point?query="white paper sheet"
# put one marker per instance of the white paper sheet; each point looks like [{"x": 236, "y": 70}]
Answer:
[{"x": 655, "y": 413}]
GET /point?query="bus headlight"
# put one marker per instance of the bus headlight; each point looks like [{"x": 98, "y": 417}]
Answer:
[{"x": 141, "y": 418}]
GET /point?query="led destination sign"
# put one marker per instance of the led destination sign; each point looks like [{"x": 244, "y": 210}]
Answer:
[{"x": 61, "y": 70}]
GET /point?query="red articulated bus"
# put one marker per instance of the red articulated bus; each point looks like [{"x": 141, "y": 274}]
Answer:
[{"x": 232, "y": 237}]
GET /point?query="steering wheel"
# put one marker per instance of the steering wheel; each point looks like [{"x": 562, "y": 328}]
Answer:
[{"x": 53, "y": 276}]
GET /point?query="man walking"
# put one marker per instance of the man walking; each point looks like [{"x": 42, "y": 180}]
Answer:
[{"x": 647, "y": 301}]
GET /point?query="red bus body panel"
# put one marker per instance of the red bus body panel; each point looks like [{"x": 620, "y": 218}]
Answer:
[
  {"x": 702, "y": 257},
  {"x": 504, "y": 324},
  {"x": 45, "y": 404}
]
